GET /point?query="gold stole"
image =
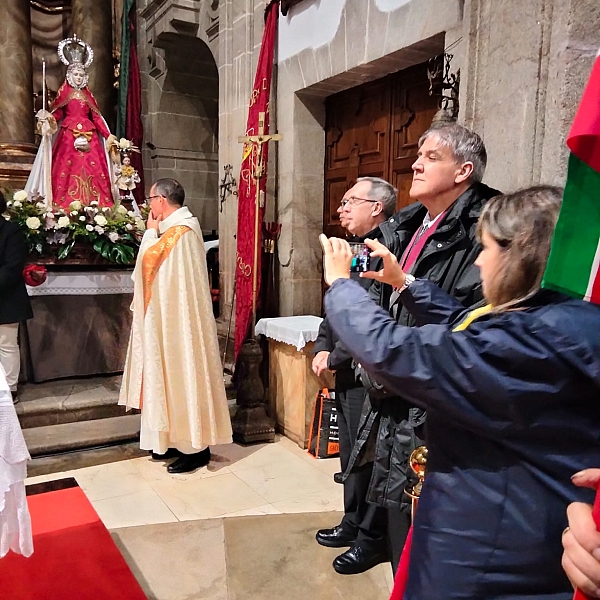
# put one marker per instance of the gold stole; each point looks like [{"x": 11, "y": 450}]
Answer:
[
  {"x": 155, "y": 256},
  {"x": 151, "y": 261},
  {"x": 474, "y": 314}
]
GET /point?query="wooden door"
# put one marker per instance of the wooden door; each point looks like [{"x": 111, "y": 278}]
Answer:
[
  {"x": 373, "y": 130},
  {"x": 412, "y": 111}
]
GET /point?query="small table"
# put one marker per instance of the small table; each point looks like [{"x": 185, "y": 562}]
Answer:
[
  {"x": 293, "y": 386},
  {"x": 80, "y": 327}
]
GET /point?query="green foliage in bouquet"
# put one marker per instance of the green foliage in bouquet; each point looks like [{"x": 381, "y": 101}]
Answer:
[{"x": 115, "y": 233}]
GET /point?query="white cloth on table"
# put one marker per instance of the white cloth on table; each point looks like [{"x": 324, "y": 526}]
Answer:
[
  {"x": 15, "y": 524},
  {"x": 296, "y": 331}
]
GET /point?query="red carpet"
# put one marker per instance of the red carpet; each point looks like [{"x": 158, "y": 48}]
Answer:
[{"x": 74, "y": 556}]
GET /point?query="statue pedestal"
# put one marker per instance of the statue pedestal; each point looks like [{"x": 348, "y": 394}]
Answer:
[{"x": 251, "y": 423}]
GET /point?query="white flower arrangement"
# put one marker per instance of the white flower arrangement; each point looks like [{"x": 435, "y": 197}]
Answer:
[
  {"x": 113, "y": 232},
  {"x": 33, "y": 223}
]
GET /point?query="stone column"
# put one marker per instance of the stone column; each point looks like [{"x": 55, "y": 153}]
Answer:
[
  {"x": 92, "y": 22},
  {"x": 16, "y": 93}
]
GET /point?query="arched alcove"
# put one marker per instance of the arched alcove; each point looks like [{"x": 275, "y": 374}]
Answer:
[{"x": 185, "y": 123}]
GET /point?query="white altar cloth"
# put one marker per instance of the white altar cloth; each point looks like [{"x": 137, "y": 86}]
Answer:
[
  {"x": 296, "y": 331},
  {"x": 84, "y": 283}
]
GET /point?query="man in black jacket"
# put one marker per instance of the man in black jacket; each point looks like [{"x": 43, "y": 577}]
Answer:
[
  {"x": 14, "y": 301},
  {"x": 436, "y": 241},
  {"x": 364, "y": 212}
]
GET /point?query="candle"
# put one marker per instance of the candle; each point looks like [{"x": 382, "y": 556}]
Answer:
[{"x": 43, "y": 83}]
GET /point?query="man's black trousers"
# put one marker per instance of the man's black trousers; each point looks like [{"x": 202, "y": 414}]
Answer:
[{"x": 368, "y": 521}]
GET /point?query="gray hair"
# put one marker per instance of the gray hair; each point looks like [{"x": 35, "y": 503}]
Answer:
[
  {"x": 522, "y": 224},
  {"x": 465, "y": 145},
  {"x": 383, "y": 192},
  {"x": 170, "y": 189}
]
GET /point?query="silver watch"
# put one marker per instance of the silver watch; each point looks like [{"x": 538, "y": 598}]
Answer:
[{"x": 407, "y": 281}]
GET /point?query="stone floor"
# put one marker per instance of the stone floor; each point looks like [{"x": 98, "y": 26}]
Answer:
[{"x": 133, "y": 496}]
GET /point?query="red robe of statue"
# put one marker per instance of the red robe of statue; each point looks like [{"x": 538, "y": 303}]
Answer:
[{"x": 77, "y": 175}]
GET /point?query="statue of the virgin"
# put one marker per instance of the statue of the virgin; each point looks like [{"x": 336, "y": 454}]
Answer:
[{"x": 73, "y": 161}]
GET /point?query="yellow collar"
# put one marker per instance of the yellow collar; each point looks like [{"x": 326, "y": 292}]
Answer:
[{"x": 474, "y": 314}]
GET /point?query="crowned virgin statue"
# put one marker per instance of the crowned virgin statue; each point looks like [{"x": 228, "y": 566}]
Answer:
[{"x": 73, "y": 161}]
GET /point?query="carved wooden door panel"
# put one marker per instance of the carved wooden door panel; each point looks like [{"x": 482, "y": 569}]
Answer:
[
  {"x": 373, "y": 130},
  {"x": 412, "y": 111},
  {"x": 357, "y": 143}
]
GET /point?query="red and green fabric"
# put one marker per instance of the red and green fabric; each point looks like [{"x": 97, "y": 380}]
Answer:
[
  {"x": 574, "y": 263},
  {"x": 129, "y": 107}
]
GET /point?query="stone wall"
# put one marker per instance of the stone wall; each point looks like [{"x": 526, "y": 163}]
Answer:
[
  {"x": 522, "y": 82},
  {"x": 180, "y": 96}
]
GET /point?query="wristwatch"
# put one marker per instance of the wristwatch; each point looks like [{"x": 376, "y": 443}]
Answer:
[{"x": 408, "y": 279}]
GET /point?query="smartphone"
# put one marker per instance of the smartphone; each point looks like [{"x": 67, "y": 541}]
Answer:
[{"x": 361, "y": 259}]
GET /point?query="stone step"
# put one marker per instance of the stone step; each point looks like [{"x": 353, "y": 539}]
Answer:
[
  {"x": 78, "y": 459},
  {"x": 69, "y": 400},
  {"x": 56, "y": 410},
  {"x": 69, "y": 437}
]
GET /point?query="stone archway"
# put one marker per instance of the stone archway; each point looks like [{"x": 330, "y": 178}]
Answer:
[{"x": 183, "y": 122}]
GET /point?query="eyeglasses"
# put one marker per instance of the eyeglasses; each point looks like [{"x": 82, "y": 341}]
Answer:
[
  {"x": 150, "y": 198},
  {"x": 354, "y": 201}
]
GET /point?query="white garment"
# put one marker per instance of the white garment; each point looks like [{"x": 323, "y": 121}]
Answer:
[
  {"x": 15, "y": 523},
  {"x": 173, "y": 362},
  {"x": 9, "y": 354}
]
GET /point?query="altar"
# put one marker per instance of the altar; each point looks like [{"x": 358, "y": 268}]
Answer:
[
  {"x": 80, "y": 327},
  {"x": 293, "y": 386}
]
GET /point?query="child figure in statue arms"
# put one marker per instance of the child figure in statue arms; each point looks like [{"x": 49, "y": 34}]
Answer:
[{"x": 127, "y": 177}]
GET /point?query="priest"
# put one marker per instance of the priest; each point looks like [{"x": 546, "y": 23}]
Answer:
[{"x": 173, "y": 372}]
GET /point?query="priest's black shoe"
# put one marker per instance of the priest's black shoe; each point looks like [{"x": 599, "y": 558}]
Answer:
[
  {"x": 190, "y": 462},
  {"x": 358, "y": 560},
  {"x": 170, "y": 453},
  {"x": 335, "y": 538}
]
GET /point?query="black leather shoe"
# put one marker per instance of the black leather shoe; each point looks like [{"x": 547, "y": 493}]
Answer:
[
  {"x": 190, "y": 462},
  {"x": 337, "y": 477},
  {"x": 358, "y": 560},
  {"x": 170, "y": 453},
  {"x": 335, "y": 537}
]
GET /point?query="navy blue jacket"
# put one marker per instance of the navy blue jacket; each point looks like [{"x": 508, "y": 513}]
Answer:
[{"x": 513, "y": 408}]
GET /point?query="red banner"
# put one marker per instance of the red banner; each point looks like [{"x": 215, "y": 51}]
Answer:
[{"x": 259, "y": 103}]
